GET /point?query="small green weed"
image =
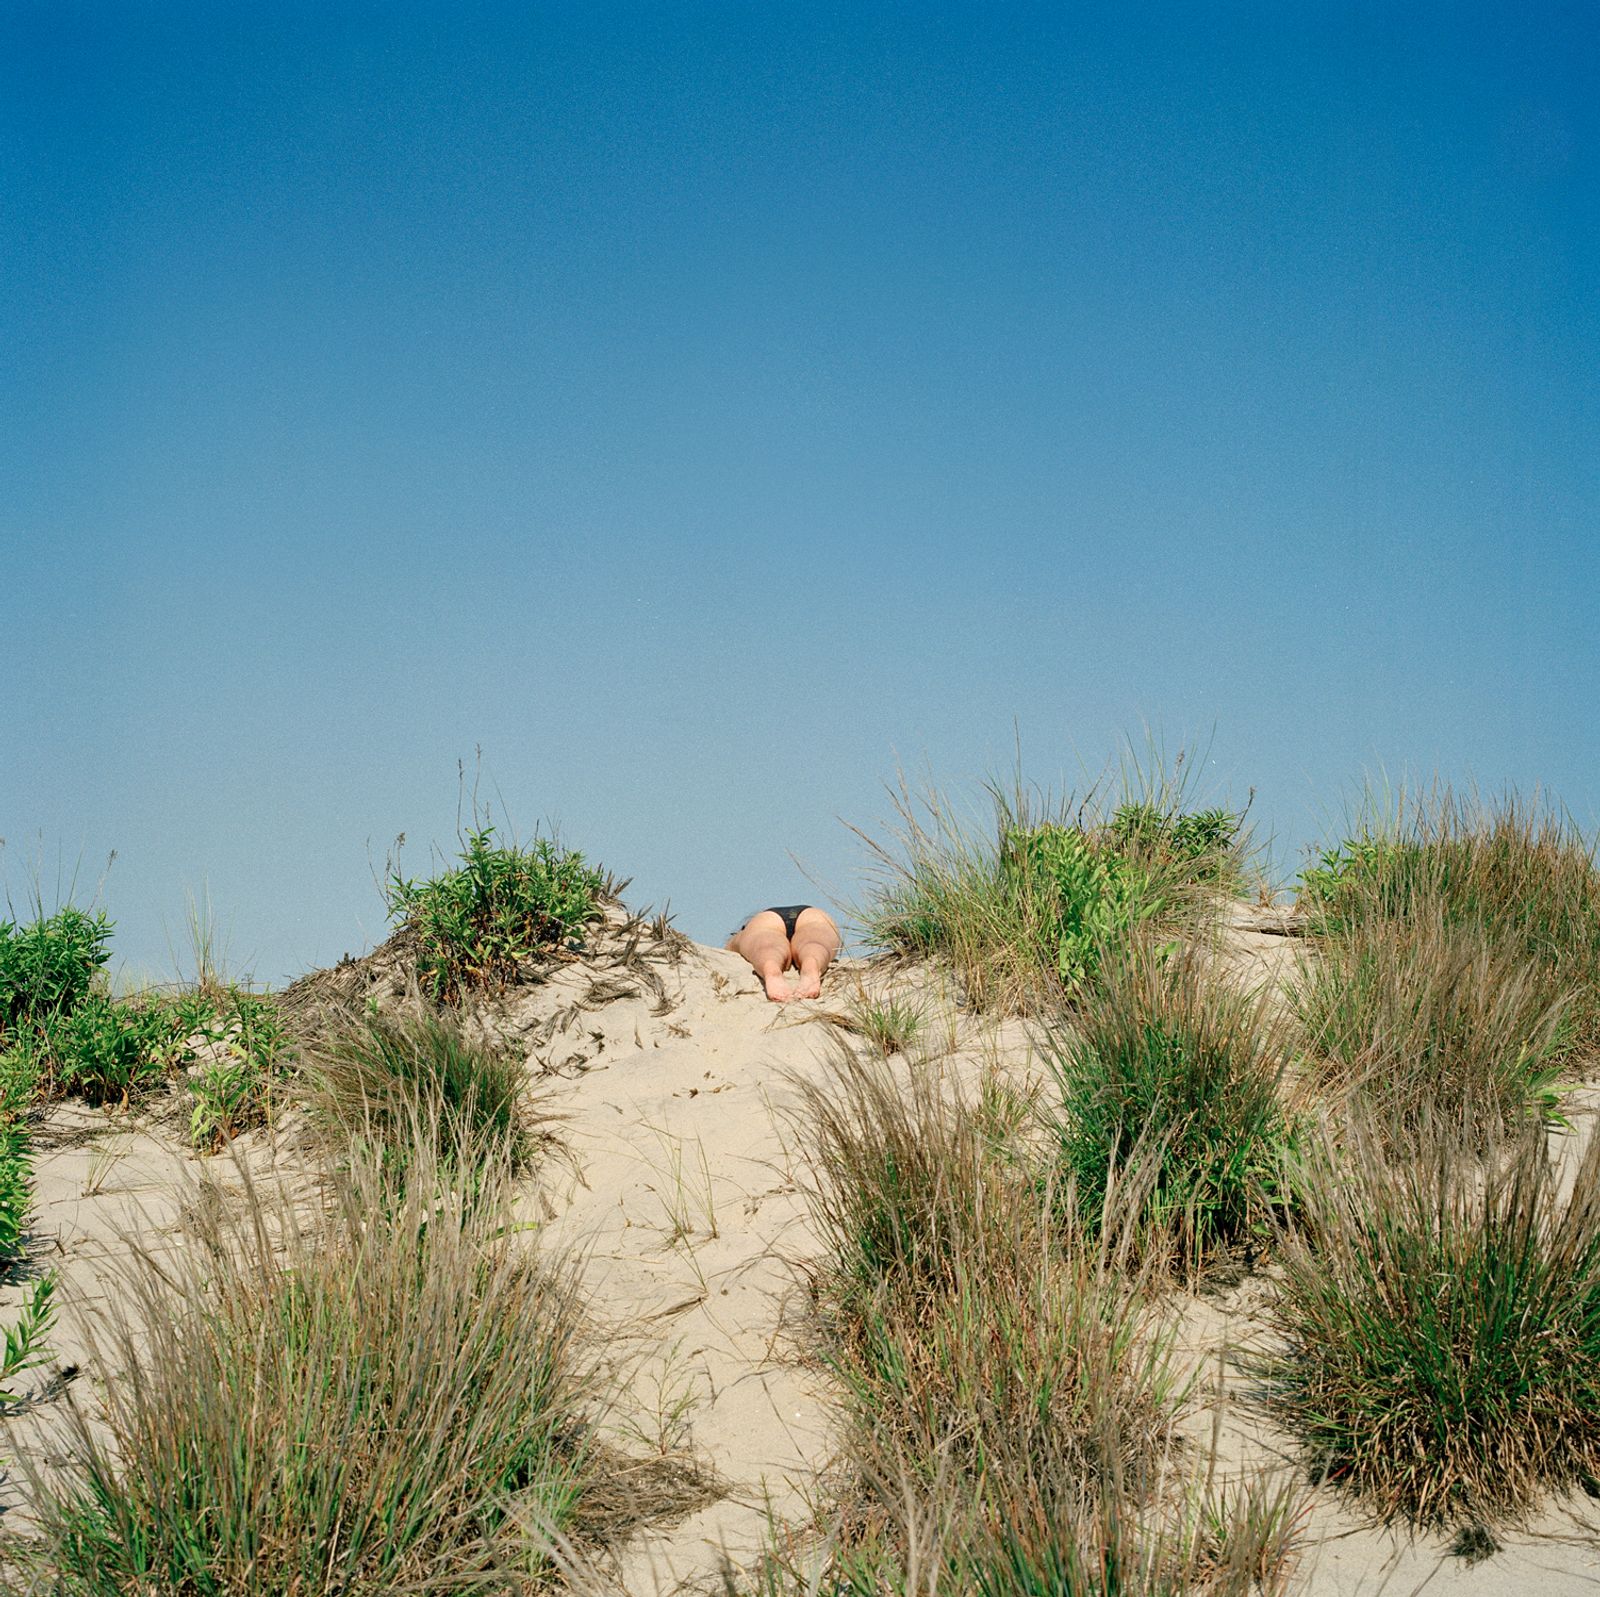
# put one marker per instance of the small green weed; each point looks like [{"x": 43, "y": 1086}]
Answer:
[
  {"x": 477, "y": 925},
  {"x": 16, "y": 1188},
  {"x": 25, "y": 1347}
]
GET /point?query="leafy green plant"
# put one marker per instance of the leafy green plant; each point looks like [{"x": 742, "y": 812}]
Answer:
[
  {"x": 1169, "y": 1068},
  {"x": 477, "y": 925},
  {"x": 340, "y": 1403},
  {"x": 1205, "y": 840},
  {"x": 242, "y": 1053},
  {"x": 1440, "y": 1317},
  {"x": 16, "y": 1188},
  {"x": 48, "y": 967},
  {"x": 1093, "y": 896},
  {"x": 381, "y": 1079},
  {"x": 108, "y": 1050},
  {"x": 24, "y": 1343}
]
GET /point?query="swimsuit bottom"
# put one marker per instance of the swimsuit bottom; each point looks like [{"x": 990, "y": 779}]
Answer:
[{"x": 791, "y": 913}]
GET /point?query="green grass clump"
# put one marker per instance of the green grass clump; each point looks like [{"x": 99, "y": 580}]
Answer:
[
  {"x": 1441, "y": 1326},
  {"x": 392, "y": 1398},
  {"x": 380, "y": 1079},
  {"x": 1427, "y": 1015},
  {"x": 477, "y": 925},
  {"x": 1521, "y": 872},
  {"x": 1028, "y": 911},
  {"x": 1006, "y": 1378},
  {"x": 1180, "y": 1073}
]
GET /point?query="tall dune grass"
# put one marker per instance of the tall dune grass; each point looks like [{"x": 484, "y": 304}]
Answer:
[
  {"x": 383, "y": 1398},
  {"x": 1005, "y": 1371},
  {"x": 1168, "y": 1068},
  {"x": 1517, "y": 868},
  {"x": 1023, "y": 908},
  {"x": 1441, "y": 1325},
  {"x": 1422, "y": 1015}
]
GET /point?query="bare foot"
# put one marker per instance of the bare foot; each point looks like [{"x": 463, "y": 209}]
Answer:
[
  {"x": 810, "y": 985},
  {"x": 778, "y": 989}
]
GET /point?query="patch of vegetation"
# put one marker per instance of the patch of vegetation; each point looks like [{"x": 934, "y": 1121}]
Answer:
[
  {"x": 334, "y": 1405},
  {"x": 1426, "y": 1014},
  {"x": 1166, "y": 1069},
  {"x": 1522, "y": 873},
  {"x": 1027, "y": 912},
  {"x": 61, "y": 1031},
  {"x": 1006, "y": 1373},
  {"x": 1441, "y": 1321},
  {"x": 48, "y": 967},
  {"x": 502, "y": 908},
  {"x": 891, "y": 1025},
  {"x": 380, "y": 1080}
]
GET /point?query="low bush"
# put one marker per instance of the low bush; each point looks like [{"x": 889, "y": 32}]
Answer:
[
  {"x": 504, "y": 907},
  {"x": 1440, "y": 1318},
  {"x": 380, "y": 1079},
  {"x": 1180, "y": 1074},
  {"x": 1424, "y": 1015},
  {"x": 48, "y": 967},
  {"x": 396, "y": 1397}
]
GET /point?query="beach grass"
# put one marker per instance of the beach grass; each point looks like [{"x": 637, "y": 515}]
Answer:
[
  {"x": 382, "y": 1397},
  {"x": 1439, "y": 1310},
  {"x": 1025, "y": 906},
  {"x": 1167, "y": 1067}
]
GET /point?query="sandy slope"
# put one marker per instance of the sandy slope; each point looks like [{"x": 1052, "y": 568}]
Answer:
[{"x": 666, "y": 1076}]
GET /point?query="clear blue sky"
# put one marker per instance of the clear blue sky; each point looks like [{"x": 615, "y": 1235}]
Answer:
[{"x": 698, "y": 407}]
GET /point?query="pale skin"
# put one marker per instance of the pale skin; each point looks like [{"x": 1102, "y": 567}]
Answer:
[{"x": 772, "y": 952}]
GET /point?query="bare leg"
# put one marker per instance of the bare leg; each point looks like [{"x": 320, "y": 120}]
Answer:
[
  {"x": 765, "y": 944},
  {"x": 815, "y": 946}
]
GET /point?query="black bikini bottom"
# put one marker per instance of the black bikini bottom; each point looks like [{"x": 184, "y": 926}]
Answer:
[{"x": 791, "y": 913}]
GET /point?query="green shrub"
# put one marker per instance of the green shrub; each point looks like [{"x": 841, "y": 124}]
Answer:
[
  {"x": 1092, "y": 897},
  {"x": 245, "y": 1055},
  {"x": 392, "y": 1398},
  {"x": 477, "y": 925},
  {"x": 108, "y": 1050},
  {"x": 1206, "y": 841},
  {"x": 380, "y": 1080},
  {"x": 1441, "y": 1326},
  {"x": 48, "y": 967},
  {"x": 1179, "y": 1073}
]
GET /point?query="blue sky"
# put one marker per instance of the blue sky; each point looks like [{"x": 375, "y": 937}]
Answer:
[{"x": 700, "y": 408}]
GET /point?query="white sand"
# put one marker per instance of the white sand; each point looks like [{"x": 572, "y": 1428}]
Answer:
[{"x": 678, "y": 1190}]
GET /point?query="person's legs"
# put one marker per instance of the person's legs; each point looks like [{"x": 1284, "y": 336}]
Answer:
[
  {"x": 815, "y": 946},
  {"x": 763, "y": 941}
]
